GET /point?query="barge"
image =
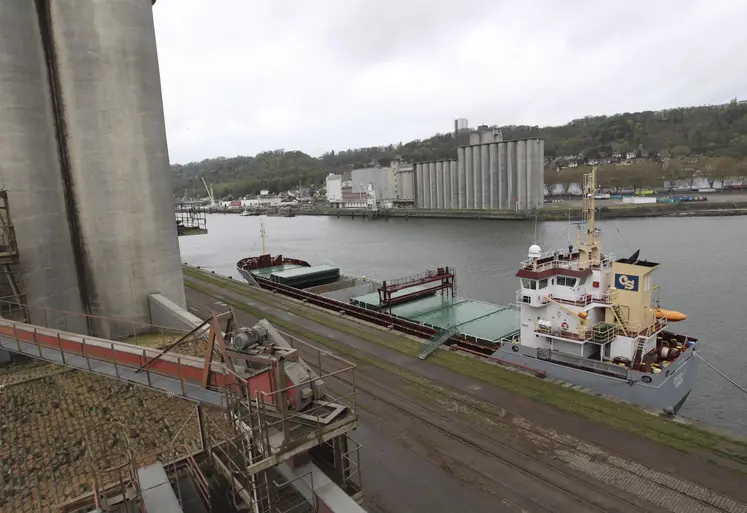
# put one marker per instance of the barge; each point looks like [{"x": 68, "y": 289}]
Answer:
[{"x": 581, "y": 315}]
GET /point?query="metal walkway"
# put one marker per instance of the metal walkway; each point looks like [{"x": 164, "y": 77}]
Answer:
[
  {"x": 179, "y": 375},
  {"x": 437, "y": 341}
]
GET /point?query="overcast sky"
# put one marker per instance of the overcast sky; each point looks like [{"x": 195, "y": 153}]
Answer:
[{"x": 244, "y": 76}]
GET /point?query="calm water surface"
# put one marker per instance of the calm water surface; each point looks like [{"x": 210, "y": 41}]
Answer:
[{"x": 704, "y": 271}]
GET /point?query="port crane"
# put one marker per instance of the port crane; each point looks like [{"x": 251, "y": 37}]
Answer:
[{"x": 210, "y": 193}]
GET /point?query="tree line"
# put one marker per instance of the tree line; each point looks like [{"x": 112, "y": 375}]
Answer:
[{"x": 712, "y": 131}]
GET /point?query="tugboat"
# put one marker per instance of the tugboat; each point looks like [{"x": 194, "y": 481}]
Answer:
[{"x": 591, "y": 320}]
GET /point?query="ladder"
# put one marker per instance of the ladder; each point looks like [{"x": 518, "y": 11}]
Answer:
[
  {"x": 618, "y": 312},
  {"x": 638, "y": 354},
  {"x": 437, "y": 340}
]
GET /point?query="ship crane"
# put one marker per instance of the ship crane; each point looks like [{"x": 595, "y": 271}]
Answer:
[{"x": 581, "y": 315}]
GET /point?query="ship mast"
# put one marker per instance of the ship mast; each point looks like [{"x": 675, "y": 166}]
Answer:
[
  {"x": 262, "y": 234},
  {"x": 589, "y": 247}
]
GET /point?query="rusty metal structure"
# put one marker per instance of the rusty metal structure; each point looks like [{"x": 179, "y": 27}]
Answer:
[
  {"x": 262, "y": 410},
  {"x": 12, "y": 290},
  {"x": 190, "y": 220},
  {"x": 402, "y": 290}
]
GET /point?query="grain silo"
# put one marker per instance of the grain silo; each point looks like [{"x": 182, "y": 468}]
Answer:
[
  {"x": 31, "y": 169},
  {"x": 108, "y": 85},
  {"x": 488, "y": 174}
]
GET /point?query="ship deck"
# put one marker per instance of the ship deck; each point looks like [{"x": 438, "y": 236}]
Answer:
[
  {"x": 484, "y": 322},
  {"x": 266, "y": 272}
]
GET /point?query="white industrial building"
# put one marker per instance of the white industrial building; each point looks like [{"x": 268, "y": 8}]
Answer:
[
  {"x": 392, "y": 185},
  {"x": 379, "y": 177},
  {"x": 334, "y": 188},
  {"x": 404, "y": 181}
]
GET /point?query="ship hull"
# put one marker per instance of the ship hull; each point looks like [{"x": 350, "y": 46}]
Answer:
[{"x": 664, "y": 392}]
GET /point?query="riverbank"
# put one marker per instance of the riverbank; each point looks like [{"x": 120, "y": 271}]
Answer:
[
  {"x": 554, "y": 212},
  {"x": 692, "y": 439},
  {"x": 424, "y": 428}
]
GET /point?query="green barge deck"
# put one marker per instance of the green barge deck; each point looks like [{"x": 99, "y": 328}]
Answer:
[{"x": 484, "y": 323}]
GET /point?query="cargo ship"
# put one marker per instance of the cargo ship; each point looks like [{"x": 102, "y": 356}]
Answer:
[{"x": 581, "y": 315}]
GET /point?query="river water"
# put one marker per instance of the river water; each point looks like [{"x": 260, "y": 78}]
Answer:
[{"x": 703, "y": 273}]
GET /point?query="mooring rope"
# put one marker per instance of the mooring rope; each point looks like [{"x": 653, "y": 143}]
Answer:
[{"x": 727, "y": 378}]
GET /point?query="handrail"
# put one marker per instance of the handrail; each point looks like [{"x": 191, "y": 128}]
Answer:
[{"x": 91, "y": 316}]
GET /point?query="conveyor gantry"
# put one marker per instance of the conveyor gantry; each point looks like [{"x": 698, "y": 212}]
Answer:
[{"x": 186, "y": 376}]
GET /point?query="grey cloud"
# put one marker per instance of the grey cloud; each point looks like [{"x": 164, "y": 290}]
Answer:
[{"x": 241, "y": 77}]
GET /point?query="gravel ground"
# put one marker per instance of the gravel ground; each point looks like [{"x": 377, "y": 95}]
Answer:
[{"x": 49, "y": 419}]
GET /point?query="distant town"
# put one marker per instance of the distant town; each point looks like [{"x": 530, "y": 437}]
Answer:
[{"x": 467, "y": 183}]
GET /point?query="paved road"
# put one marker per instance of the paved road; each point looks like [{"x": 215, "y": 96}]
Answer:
[{"x": 411, "y": 465}]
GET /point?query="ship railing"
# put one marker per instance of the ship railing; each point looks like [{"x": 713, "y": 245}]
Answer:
[
  {"x": 574, "y": 336},
  {"x": 543, "y": 298},
  {"x": 636, "y": 329},
  {"x": 570, "y": 264},
  {"x": 604, "y": 332},
  {"x": 581, "y": 299}
]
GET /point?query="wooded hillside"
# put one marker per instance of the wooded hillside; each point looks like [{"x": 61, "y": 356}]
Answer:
[{"x": 714, "y": 131}]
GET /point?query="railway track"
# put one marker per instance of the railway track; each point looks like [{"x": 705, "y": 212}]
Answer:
[
  {"x": 648, "y": 487},
  {"x": 207, "y": 308}
]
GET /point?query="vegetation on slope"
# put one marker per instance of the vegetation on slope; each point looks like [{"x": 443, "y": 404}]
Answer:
[{"x": 715, "y": 131}]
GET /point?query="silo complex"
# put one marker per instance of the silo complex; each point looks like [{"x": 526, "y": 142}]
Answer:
[
  {"x": 491, "y": 174},
  {"x": 116, "y": 138},
  {"x": 30, "y": 168},
  {"x": 89, "y": 176}
]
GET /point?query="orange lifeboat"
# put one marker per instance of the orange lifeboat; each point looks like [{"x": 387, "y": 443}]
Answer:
[{"x": 670, "y": 315}]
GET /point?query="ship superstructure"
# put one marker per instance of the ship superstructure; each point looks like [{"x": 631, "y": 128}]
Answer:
[{"x": 588, "y": 318}]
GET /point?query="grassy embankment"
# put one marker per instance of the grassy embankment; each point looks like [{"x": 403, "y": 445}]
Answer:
[{"x": 687, "y": 438}]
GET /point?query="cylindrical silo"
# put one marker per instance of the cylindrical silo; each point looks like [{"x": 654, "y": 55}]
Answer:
[
  {"x": 541, "y": 181},
  {"x": 511, "y": 175},
  {"x": 536, "y": 172},
  {"x": 485, "y": 174},
  {"x": 426, "y": 185},
  {"x": 502, "y": 177},
  {"x": 521, "y": 174},
  {"x": 447, "y": 185},
  {"x": 454, "y": 186},
  {"x": 110, "y": 92},
  {"x": 476, "y": 177},
  {"x": 469, "y": 187},
  {"x": 493, "y": 182},
  {"x": 531, "y": 184},
  {"x": 31, "y": 170},
  {"x": 461, "y": 180},
  {"x": 432, "y": 183},
  {"x": 418, "y": 185},
  {"x": 439, "y": 185}
]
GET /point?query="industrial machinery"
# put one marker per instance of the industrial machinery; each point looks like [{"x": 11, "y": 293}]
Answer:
[{"x": 262, "y": 339}]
